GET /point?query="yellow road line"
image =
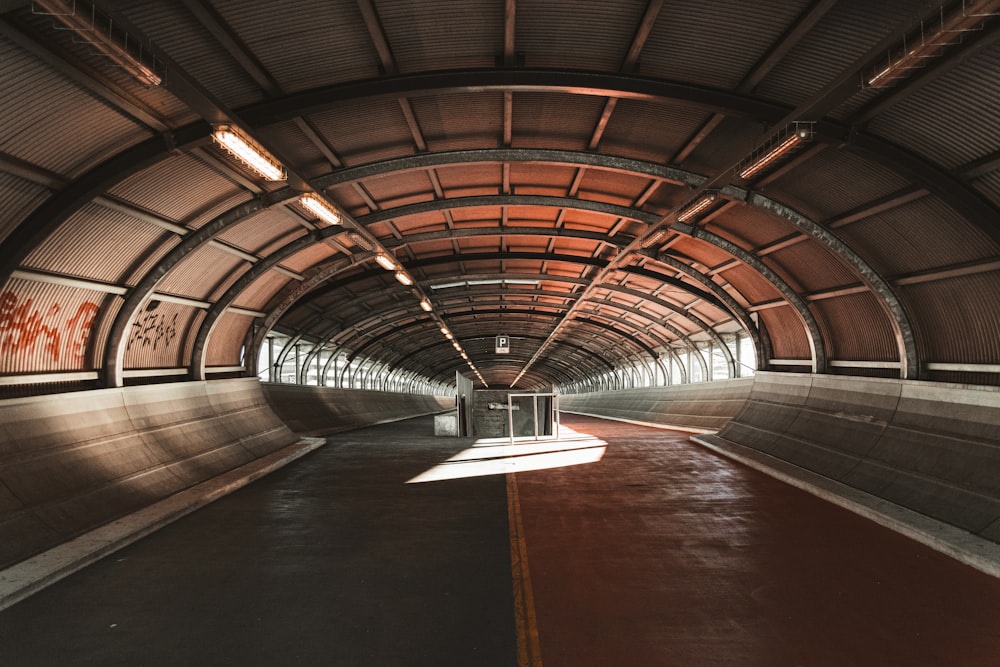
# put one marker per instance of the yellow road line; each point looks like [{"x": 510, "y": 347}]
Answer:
[{"x": 528, "y": 651}]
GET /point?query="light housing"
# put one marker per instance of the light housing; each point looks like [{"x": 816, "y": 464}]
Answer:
[
  {"x": 318, "y": 206},
  {"x": 785, "y": 143},
  {"x": 404, "y": 278},
  {"x": 425, "y": 304},
  {"x": 247, "y": 151},
  {"x": 698, "y": 206},
  {"x": 385, "y": 261}
]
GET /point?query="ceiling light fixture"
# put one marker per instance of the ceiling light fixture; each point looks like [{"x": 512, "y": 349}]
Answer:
[
  {"x": 404, "y": 278},
  {"x": 111, "y": 42},
  {"x": 934, "y": 34},
  {"x": 787, "y": 141},
  {"x": 697, "y": 207},
  {"x": 317, "y": 205},
  {"x": 425, "y": 303},
  {"x": 247, "y": 151},
  {"x": 386, "y": 262},
  {"x": 655, "y": 237}
]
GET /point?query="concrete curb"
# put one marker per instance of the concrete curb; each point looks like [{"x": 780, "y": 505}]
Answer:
[
  {"x": 666, "y": 427},
  {"x": 961, "y": 545},
  {"x": 32, "y": 575}
]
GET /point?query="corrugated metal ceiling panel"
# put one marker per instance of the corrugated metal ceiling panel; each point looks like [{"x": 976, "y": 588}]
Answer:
[
  {"x": 720, "y": 51},
  {"x": 437, "y": 34},
  {"x": 201, "y": 273},
  {"x": 43, "y": 112},
  {"x": 330, "y": 40},
  {"x": 909, "y": 239},
  {"x": 543, "y": 120},
  {"x": 226, "y": 342},
  {"x": 18, "y": 198},
  {"x": 586, "y": 34},
  {"x": 460, "y": 121},
  {"x": 844, "y": 35},
  {"x": 99, "y": 244},
  {"x": 366, "y": 131},
  {"x": 952, "y": 321},
  {"x": 955, "y": 119},
  {"x": 175, "y": 31}
]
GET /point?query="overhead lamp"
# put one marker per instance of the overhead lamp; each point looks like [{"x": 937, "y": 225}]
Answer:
[
  {"x": 318, "y": 205},
  {"x": 359, "y": 240},
  {"x": 247, "y": 151},
  {"x": 445, "y": 331},
  {"x": 113, "y": 43},
  {"x": 425, "y": 303},
  {"x": 930, "y": 37},
  {"x": 386, "y": 262},
  {"x": 698, "y": 206},
  {"x": 404, "y": 278},
  {"x": 787, "y": 141},
  {"x": 655, "y": 237}
]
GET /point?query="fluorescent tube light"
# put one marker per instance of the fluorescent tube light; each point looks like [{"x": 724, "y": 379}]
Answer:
[
  {"x": 800, "y": 133},
  {"x": 386, "y": 262},
  {"x": 317, "y": 205},
  {"x": 698, "y": 206},
  {"x": 425, "y": 303},
  {"x": 404, "y": 278},
  {"x": 246, "y": 150}
]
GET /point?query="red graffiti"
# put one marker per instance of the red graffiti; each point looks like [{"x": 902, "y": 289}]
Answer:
[{"x": 23, "y": 328}]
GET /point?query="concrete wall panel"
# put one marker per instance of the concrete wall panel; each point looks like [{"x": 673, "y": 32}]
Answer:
[
  {"x": 323, "y": 410},
  {"x": 72, "y": 462}
]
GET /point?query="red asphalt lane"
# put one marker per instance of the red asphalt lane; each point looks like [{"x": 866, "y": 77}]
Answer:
[{"x": 665, "y": 553}]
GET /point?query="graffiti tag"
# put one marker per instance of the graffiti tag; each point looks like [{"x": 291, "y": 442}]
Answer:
[
  {"x": 153, "y": 330},
  {"x": 23, "y": 328}
]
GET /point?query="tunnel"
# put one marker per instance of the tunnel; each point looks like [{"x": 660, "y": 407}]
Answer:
[{"x": 255, "y": 259}]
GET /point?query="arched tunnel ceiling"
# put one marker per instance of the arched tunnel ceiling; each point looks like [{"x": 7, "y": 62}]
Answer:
[{"x": 529, "y": 164}]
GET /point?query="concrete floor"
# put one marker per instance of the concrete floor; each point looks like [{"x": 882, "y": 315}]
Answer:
[{"x": 640, "y": 549}]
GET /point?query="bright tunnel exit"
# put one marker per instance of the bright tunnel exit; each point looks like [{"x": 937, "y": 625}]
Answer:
[{"x": 497, "y": 456}]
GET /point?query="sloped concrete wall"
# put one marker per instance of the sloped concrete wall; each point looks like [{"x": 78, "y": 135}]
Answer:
[
  {"x": 323, "y": 410},
  {"x": 930, "y": 447},
  {"x": 72, "y": 462},
  {"x": 705, "y": 406}
]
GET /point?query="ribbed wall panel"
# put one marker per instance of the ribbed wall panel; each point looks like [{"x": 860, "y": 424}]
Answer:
[
  {"x": 46, "y": 328},
  {"x": 406, "y": 183},
  {"x": 201, "y": 273},
  {"x": 704, "y": 253},
  {"x": 161, "y": 337},
  {"x": 788, "y": 338},
  {"x": 175, "y": 30},
  {"x": 587, "y": 34},
  {"x": 750, "y": 227},
  {"x": 856, "y": 328},
  {"x": 610, "y": 186},
  {"x": 954, "y": 321},
  {"x": 43, "y": 112},
  {"x": 262, "y": 290},
  {"x": 178, "y": 188},
  {"x": 227, "y": 338},
  {"x": 833, "y": 182},
  {"x": 965, "y": 99},
  {"x": 922, "y": 235},
  {"x": 455, "y": 181},
  {"x": 542, "y": 120},
  {"x": 649, "y": 131},
  {"x": 988, "y": 185},
  {"x": 439, "y": 34},
  {"x": 754, "y": 288},
  {"x": 845, "y": 34},
  {"x": 297, "y": 148},
  {"x": 541, "y": 179},
  {"x": 18, "y": 198},
  {"x": 462, "y": 121},
  {"x": 809, "y": 267},
  {"x": 284, "y": 227},
  {"x": 682, "y": 40},
  {"x": 366, "y": 131},
  {"x": 99, "y": 244},
  {"x": 309, "y": 257},
  {"x": 331, "y": 43}
]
